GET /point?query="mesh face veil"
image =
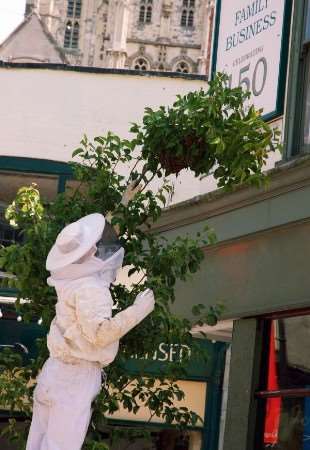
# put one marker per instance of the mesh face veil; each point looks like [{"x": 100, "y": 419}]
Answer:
[{"x": 108, "y": 244}]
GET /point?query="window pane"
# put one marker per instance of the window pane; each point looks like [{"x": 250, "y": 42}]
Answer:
[
  {"x": 78, "y": 8},
  {"x": 292, "y": 430},
  {"x": 10, "y": 182},
  {"x": 184, "y": 18},
  {"x": 306, "y": 123},
  {"x": 142, "y": 14},
  {"x": 68, "y": 33},
  {"x": 307, "y": 26},
  {"x": 149, "y": 14},
  {"x": 164, "y": 439},
  {"x": 191, "y": 19},
  {"x": 70, "y": 8},
  {"x": 194, "y": 400},
  {"x": 8, "y": 234},
  {"x": 289, "y": 355},
  {"x": 140, "y": 64},
  {"x": 75, "y": 35}
]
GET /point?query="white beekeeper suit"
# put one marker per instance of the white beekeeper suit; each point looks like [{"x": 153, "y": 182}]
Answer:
[{"x": 83, "y": 336}]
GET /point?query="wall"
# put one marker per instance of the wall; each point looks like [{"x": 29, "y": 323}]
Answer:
[
  {"x": 176, "y": 33},
  {"x": 45, "y": 112}
]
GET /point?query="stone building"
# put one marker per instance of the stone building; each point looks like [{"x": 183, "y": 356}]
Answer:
[{"x": 160, "y": 35}]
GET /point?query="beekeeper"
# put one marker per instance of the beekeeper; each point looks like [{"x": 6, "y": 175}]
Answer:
[{"x": 83, "y": 337}]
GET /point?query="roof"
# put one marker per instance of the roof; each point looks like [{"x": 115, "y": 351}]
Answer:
[
  {"x": 100, "y": 70},
  {"x": 31, "y": 42}
]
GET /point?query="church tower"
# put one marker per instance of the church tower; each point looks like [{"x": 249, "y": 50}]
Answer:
[
  {"x": 117, "y": 53},
  {"x": 160, "y": 35}
]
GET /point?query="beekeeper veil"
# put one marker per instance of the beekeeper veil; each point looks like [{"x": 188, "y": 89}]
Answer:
[
  {"x": 110, "y": 252},
  {"x": 109, "y": 243}
]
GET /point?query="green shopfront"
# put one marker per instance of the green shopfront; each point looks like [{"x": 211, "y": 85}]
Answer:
[
  {"x": 203, "y": 381},
  {"x": 202, "y": 387},
  {"x": 259, "y": 268}
]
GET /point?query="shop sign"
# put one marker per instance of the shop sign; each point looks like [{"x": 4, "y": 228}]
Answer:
[
  {"x": 156, "y": 363},
  {"x": 22, "y": 337},
  {"x": 168, "y": 352},
  {"x": 251, "y": 46}
]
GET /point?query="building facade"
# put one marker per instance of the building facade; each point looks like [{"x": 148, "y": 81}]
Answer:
[
  {"x": 38, "y": 151},
  {"x": 158, "y": 35},
  {"x": 259, "y": 271}
]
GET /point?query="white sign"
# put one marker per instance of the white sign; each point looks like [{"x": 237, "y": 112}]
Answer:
[
  {"x": 249, "y": 47},
  {"x": 195, "y": 400},
  {"x": 168, "y": 352}
]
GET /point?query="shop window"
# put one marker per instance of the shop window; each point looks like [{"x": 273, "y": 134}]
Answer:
[
  {"x": 10, "y": 182},
  {"x": 146, "y": 10},
  {"x": 286, "y": 394},
  {"x": 187, "y": 16},
  {"x": 8, "y": 234},
  {"x": 160, "y": 439}
]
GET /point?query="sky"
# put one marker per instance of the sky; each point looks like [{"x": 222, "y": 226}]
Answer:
[{"x": 11, "y": 15}]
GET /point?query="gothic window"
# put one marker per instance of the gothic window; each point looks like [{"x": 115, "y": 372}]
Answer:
[
  {"x": 141, "y": 64},
  {"x": 70, "y": 9},
  {"x": 78, "y": 8},
  {"x": 190, "y": 21},
  {"x": 72, "y": 35},
  {"x": 142, "y": 13},
  {"x": 75, "y": 35},
  {"x": 187, "y": 17},
  {"x": 72, "y": 31},
  {"x": 146, "y": 9},
  {"x": 68, "y": 32},
  {"x": 182, "y": 67},
  {"x": 74, "y": 8}
]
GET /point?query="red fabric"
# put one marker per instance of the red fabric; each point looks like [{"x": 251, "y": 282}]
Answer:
[{"x": 273, "y": 406}]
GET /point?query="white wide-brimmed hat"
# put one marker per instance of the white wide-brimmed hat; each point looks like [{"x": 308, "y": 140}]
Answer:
[{"x": 74, "y": 241}]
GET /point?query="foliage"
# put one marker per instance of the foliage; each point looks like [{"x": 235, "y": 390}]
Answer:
[
  {"x": 158, "y": 262},
  {"x": 237, "y": 144},
  {"x": 209, "y": 130}
]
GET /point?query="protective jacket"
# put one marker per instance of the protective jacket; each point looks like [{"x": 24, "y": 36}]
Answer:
[{"x": 83, "y": 328}]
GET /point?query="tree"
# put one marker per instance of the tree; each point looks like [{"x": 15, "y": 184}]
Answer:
[{"x": 157, "y": 262}]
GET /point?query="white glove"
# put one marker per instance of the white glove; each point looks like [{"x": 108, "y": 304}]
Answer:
[{"x": 145, "y": 301}]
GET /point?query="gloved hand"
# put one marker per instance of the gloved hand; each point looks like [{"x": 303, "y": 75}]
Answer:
[{"x": 145, "y": 301}]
